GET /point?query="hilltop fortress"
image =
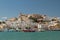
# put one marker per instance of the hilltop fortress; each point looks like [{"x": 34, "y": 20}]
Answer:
[{"x": 31, "y": 23}]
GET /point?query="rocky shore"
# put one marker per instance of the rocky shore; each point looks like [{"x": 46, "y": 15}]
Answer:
[{"x": 30, "y": 23}]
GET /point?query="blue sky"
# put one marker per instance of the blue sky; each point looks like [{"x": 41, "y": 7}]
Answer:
[{"x": 12, "y": 8}]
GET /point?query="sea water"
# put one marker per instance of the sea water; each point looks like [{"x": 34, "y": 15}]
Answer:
[{"x": 49, "y": 35}]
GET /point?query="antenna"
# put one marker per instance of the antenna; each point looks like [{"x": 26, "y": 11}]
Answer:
[{"x": 20, "y": 14}]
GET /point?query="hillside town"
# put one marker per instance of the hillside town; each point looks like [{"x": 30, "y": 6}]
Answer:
[{"x": 30, "y": 23}]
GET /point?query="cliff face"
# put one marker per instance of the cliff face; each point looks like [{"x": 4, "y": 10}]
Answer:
[{"x": 30, "y": 22}]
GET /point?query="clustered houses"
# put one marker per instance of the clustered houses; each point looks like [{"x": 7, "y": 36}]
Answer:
[{"x": 30, "y": 23}]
